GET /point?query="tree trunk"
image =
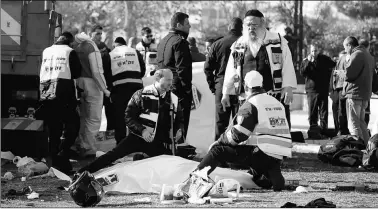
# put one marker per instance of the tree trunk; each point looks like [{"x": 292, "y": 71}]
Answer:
[
  {"x": 129, "y": 22},
  {"x": 300, "y": 30},
  {"x": 295, "y": 51}
]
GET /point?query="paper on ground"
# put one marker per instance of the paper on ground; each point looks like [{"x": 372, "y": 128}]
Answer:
[
  {"x": 148, "y": 175},
  {"x": 61, "y": 175}
]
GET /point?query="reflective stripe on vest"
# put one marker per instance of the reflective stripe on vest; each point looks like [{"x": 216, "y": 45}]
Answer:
[
  {"x": 55, "y": 63},
  {"x": 271, "y": 134},
  {"x": 127, "y": 80},
  {"x": 150, "y": 119},
  {"x": 125, "y": 65}
]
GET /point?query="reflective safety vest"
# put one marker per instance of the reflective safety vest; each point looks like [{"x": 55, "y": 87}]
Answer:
[
  {"x": 55, "y": 63},
  {"x": 271, "y": 134},
  {"x": 150, "y": 100},
  {"x": 125, "y": 65},
  {"x": 143, "y": 50},
  {"x": 151, "y": 62}
]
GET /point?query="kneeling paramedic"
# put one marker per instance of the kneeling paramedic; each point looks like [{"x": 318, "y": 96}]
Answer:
[
  {"x": 127, "y": 71},
  {"x": 60, "y": 66},
  {"x": 152, "y": 116},
  {"x": 260, "y": 139}
]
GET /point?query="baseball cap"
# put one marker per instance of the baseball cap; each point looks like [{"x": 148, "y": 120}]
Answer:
[{"x": 253, "y": 79}]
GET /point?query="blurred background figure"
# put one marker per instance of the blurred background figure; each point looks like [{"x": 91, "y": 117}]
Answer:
[
  {"x": 147, "y": 48},
  {"x": 127, "y": 68},
  {"x": 208, "y": 43},
  {"x": 96, "y": 36},
  {"x": 196, "y": 55},
  {"x": 132, "y": 42},
  {"x": 316, "y": 68},
  {"x": 338, "y": 100}
]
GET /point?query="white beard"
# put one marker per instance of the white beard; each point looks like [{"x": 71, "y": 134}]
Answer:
[{"x": 254, "y": 43}]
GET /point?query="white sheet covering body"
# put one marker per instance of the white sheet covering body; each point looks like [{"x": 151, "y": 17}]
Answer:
[{"x": 149, "y": 175}]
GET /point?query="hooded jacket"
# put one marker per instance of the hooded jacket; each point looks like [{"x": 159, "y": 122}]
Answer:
[{"x": 90, "y": 58}]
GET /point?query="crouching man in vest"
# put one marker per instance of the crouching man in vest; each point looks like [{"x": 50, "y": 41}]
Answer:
[
  {"x": 150, "y": 115},
  {"x": 60, "y": 66},
  {"x": 127, "y": 71},
  {"x": 266, "y": 52},
  {"x": 260, "y": 139}
]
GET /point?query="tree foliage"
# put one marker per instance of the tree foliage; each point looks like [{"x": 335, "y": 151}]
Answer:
[
  {"x": 358, "y": 9},
  {"x": 130, "y": 16}
]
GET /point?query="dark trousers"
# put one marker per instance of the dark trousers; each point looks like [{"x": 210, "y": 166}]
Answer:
[
  {"x": 318, "y": 110},
  {"x": 63, "y": 125},
  {"x": 185, "y": 102},
  {"x": 222, "y": 118},
  {"x": 251, "y": 156},
  {"x": 339, "y": 112},
  {"x": 109, "y": 113},
  {"x": 128, "y": 145},
  {"x": 120, "y": 97},
  {"x": 367, "y": 114},
  {"x": 287, "y": 108}
]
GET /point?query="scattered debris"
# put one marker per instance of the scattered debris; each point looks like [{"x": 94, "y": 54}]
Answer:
[
  {"x": 166, "y": 193},
  {"x": 169, "y": 202},
  {"x": 8, "y": 176},
  {"x": 25, "y": 190},
  {"x": 33, "y": 195},
  {"x": 7, "y": 155},
  {"x": 73, "y": 161},
  {"x": 350, "y": 187},
  {"x": 143, "y": 200},
  {"x": 48, "y": 174},
  {"x": 60, "y": 175},
  {"x": 30, "y": 204},
  {"x": 221, "y": 200},
  {"x": 300, "y": 189}
]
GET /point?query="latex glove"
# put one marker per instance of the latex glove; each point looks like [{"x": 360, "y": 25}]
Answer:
[
  {"x": 225, "y": 101},
  {"x": 107, "y": 93},
  {"x": 178, "y": 134},
  {"x": 147, "y": 135},
  {"x": 287, "y": 93}
]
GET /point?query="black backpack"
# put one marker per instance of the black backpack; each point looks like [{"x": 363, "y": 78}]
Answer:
[
  {"x": 343, "y": 150},
  {"x": 370, "y": 157}
]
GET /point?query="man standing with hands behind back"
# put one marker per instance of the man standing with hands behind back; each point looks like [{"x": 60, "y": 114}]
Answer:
[{"x": 174, "y": 54}]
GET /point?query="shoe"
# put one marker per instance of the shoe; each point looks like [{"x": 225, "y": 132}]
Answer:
[
  {"x": 138, "y": 156},
  {"x": 276, "y": 177}
]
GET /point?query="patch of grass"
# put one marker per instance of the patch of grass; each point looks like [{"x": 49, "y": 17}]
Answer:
[{"x": 306, "y": 167}]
